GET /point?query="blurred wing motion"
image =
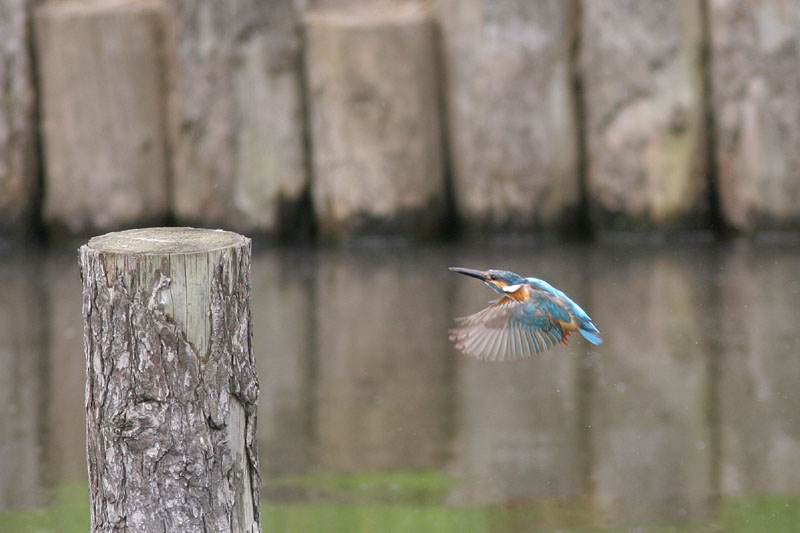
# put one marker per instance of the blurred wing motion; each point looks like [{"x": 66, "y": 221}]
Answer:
[{"x": 510, "y": 329}]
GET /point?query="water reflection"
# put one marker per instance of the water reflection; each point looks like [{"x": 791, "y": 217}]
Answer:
[
  {"x": 652, "y": 431},
  {"x": 760, "y": 374},
  {"x": 283, "y": 341},
  {"x": 42, "y": 377},
  {"x": 22, "y": 382},
  {"x": 65, "y": 426},
  {"x": 382, "y": 383},
  {"x": 690, "y": 402}
]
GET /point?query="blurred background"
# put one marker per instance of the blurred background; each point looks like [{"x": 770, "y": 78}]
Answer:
[
  {"x": 299, "y": 119},
  {"x": 641, "y": 156}
]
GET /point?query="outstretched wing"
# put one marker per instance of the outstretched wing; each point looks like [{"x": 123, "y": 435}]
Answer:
[{"x": 509, "y": 329}]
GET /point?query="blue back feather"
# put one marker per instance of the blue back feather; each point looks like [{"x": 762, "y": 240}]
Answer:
[
  {"x": 591, "y": 337},
  {"x": 585, "y": 324}
]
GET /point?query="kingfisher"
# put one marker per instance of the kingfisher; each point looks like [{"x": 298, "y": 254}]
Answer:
[{"x": 529, "y": 317}]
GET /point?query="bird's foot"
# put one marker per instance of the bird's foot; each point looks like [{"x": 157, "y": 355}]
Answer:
[{"x": 564, "y": 337}]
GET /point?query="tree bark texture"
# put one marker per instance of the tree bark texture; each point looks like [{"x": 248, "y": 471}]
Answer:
[{"x": 171, "y": 384}]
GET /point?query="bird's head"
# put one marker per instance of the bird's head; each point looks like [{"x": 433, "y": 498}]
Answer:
[{"x": 499, "y": 280}]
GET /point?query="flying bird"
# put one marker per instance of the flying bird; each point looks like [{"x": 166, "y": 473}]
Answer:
[{"x": 529, "y": 317}]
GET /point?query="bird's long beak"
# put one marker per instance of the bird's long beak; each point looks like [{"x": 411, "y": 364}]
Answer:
[{"x": 483, "y": 276}]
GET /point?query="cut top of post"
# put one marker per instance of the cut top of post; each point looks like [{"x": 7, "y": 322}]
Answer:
[
  {"x": 160, "y": 241},
  {"x": 369, "y": 16},
  {"x": 173, "y": 270}
]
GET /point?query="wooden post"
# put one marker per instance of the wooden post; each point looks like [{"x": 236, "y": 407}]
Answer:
[
  {"x": 171, "y": 381},
  {"x": 103, "y": 104},
  {"x": 19, "y": 160},
  {"x": 375, "y": 125},
  {"x": 755, "y": 101},
  {"x": 643, "y": 94},
  {"x": 512, "y": 122},
  {"x": 236, "y": 117}
]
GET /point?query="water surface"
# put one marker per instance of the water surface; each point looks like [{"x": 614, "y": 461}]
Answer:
[{"x": 688, "y": 416}]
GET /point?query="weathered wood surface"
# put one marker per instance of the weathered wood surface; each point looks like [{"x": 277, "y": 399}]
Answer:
[
  {"x": 512, "y": 132},
  {"x": 19, "y": 164},
  {"x": 103, "y": 99},
  {"x": 237, "y": 124},
  {"x": 171, "y": 382},
  {"x": 755, "y": 50},
  {"x": 645, "y": 121},
  {"x": 375, "y": 125}
]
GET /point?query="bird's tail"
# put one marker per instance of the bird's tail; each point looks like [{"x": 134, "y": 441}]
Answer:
[{"x": 591, "y": 336}]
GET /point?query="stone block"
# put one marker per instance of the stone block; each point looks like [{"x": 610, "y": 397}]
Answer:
[
  {"x": 237, "y": 116},
  {"x": 512, "y": 129},
  {"x": 103, "y": 104},
  {"x": 755, "y": 50},
  {"x": 19, "y": 168},
  {"x": 375, "y": 121},
  {"x": 645, "y": 118}
]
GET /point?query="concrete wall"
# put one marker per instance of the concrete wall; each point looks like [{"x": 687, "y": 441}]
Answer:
[
  {"x": 19, "y": 165},
  {"x": 278, "y": 117},
  {"x": 644, "y": 103}
]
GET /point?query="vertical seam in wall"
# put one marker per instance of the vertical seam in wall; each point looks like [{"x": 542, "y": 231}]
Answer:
[
  {"x": 583, "y": 221},
  {"x": 715, "y": 220},
  {"x": 305, "y": 206},
  {"x": 36, "y": 219},
  {"x": 451, "y": 220},
  {"x": 167, "y": 58}
]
